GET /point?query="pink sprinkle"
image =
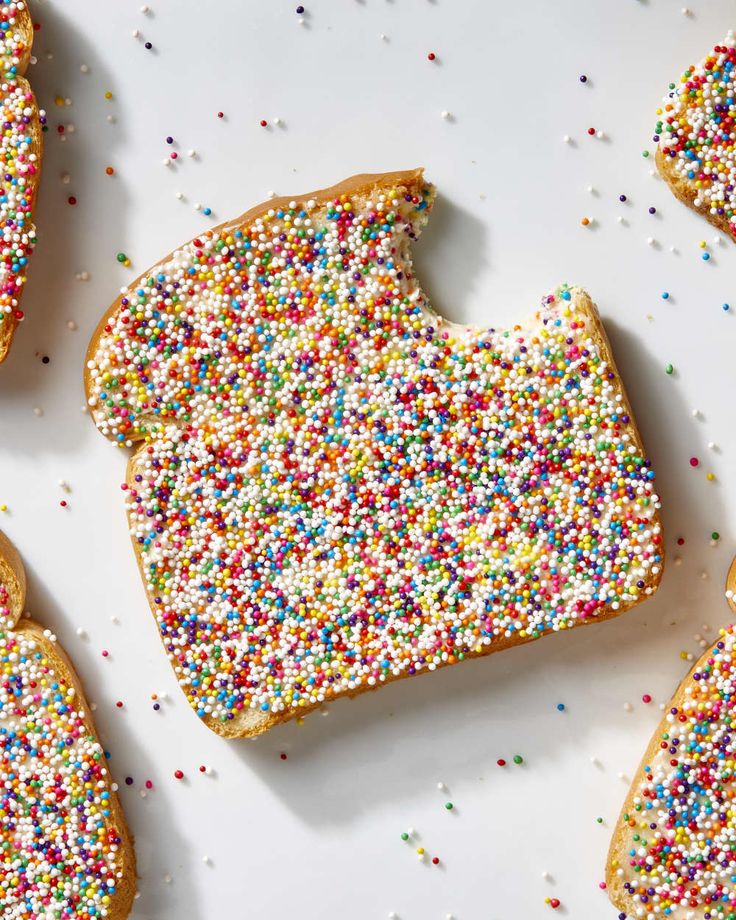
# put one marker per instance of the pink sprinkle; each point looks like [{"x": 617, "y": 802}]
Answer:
[
  {"x": 694, "y": 461},
  {"x": 105, "y": 653},
  {"x": 646, "y": 698}
]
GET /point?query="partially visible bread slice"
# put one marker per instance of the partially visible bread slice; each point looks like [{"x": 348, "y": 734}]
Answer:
[
  {"x": 65, "y": 848},
  {"x": 673, "y": 852},
  {"x": 20, "y": 163},
  {"x": 333, "y": 487},
  {"x": 696, "y": 155}
]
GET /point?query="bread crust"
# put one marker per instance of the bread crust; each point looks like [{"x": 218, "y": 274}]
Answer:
[
  {"x": 250, "y": 723},
  {"x": 125, "y": 863},
  {"x": 10, "y": 323},
  {"x": 618, "y": 850},
  {"x": 683, "y": 191}
]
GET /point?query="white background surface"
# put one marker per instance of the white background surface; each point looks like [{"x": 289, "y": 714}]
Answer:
[{"x": 316, "y": 837}]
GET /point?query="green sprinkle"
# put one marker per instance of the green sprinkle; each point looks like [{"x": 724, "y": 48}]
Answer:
[
  {"x": 518, "y": 758},
  {"x": 404, "y": 836},
  {"x": 449, "y": 806},
  {"x": 121, "y": 257},
  {"x": 645, "y": 153},
  {"x": 669, "y": 369},
  {"x": 715, "y": 535}
]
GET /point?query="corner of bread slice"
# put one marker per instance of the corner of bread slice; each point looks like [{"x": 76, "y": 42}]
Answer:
[
  {"x": 12, "y": 584},
  {"x": 248, "y": 723},
  {"x": 412, "y": 194},
  {"x": 581, "y": 303},
  {"x": 684, "y": 192}
]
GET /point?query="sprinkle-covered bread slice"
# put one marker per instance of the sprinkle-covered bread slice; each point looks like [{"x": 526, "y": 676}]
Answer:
[
  {"x": 333, "y": 487},
  {"x": 65, "y": 850},
  {"x": 696, "y": 132},
  {"x": 20, "y": 163},
  {"x": 673, "y": 853}
]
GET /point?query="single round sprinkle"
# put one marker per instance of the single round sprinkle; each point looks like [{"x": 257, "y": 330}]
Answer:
[
  {"x": 665, "y": 295},
  {"x": 669, "y": 368},
  {"x": 560, "y": 707},
  {"x": 449, "y": 806},
  {"x": 518, "y": 759},
  {"x": 431, "y": 56},
  {"x": 646, "y": 698},
  {"x": 694, "y": 461},
  {"x": 179, "y": 774},
  {"x": 583, "y": 78}
]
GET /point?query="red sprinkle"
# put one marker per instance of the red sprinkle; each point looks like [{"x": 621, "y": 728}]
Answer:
[
  {"x": 71, "y": 199},
  {"x": 694, "y": 461},
  {"x": 178, "y": 774},
  {"x": 435, "y": 860},
  {"x": 431, "y": 56},
  {"x": 62, "y": 503},
  {"x": 264, "y": 123},
  {"x": 283, "y": 756},
  {"x": 220, "y": 114},
  {"x": 646, "y": 698},
  {"x": 591, "y": 131},
  {"x": 149, "y": 784},
  {"x": 554, "y": 903},
  {"x": 501, "y": 762},
  {"x": 119, "y": 704},
  {"x": 203, "y": 769},
  {"x": 105, "y": 653}
]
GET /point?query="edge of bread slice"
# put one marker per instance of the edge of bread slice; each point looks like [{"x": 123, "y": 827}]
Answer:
[
  {"x": 618, "y": 849},
  {"x": 23, "y": 30},
  {"x": 360, "y": 188},
  {"x": 13, "y": 577},
  {"x": 684, "y": 192}
]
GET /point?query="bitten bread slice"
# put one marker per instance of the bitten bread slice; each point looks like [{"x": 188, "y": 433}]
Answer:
[
  {"x": 696, "y": 132},
  {"x": 20, "y": 163},
  {"x": 333, "y": 487},
  {"x": 673, "y": 853},
  {"x": 65, "y": 849}
]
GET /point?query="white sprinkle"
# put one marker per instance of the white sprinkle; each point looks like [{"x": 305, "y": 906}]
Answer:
[
  {"x": 191, "y": 152},
  {"x": 205, "y": 859},
  {"x": 166, "y": 162},
  {"x": 711, "y": 445},
  {"x": 590, "y": 189},
  {"x": 179, "y": 195},
  {"x": 145, "y": 8},
  {"x": 567, "y": 138},
  {"x": 167, "y": 879},
  {"x": 628, "y": 707},
  {"x": 84, "y": 68},
  {"x": 650, "y": 241},
  {"x": 71, "y": 325},
  {"x": 38, "y": 411},
  {"x": 197, "y": 206},
  {"x": 695, "y": 413},
  {"x": 599, "y": 134},
  {"x": 445, "y": 114},
  {"x": 441, "y": 786},
  {"x": 82, "y": 633},
  {"x": 276, "y": 121},
  {"x": 114, "y": 619},
  {"x": 136, "y": 33}
]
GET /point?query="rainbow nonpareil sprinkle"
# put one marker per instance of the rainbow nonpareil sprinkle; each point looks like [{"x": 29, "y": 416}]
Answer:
[
  {"x": 336, "y": 487},
  {"x": 696, "y": 132},
  {"x": 680, "y": 833}
]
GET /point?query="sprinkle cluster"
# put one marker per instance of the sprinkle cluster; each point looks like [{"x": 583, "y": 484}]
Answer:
[
  {"x": 696, "y": 130},
  {"x": 682, "y": 827},
  {"x": 19, "y": 162},
  {"x": 338, "y": 487},
  {"x": 57, "y": 847}
]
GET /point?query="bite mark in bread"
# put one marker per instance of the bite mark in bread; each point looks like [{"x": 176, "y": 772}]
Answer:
[{"x": 333, "y": 487}]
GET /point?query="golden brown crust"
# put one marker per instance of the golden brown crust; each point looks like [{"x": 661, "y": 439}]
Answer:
[
  {"x": 13, "y": 578},
  {"x": 683, "y": 191},
  {"x": 122, "y": 900},
  {"x": 25, "y": 27}
]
